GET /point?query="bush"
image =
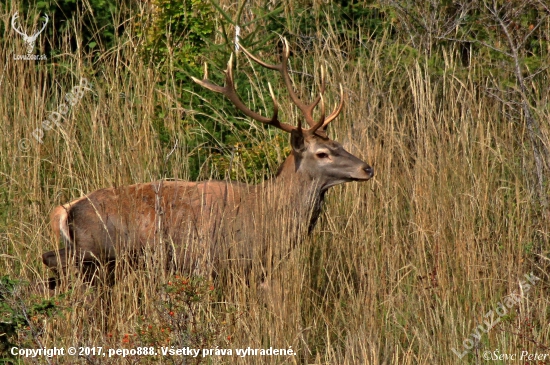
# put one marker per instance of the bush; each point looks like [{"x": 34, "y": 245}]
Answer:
[{"x": 21, "y": 317}]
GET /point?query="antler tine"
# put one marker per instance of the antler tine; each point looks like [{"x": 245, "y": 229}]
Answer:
[
  {"x": 322, "y": 118},
  {"x": 257, "y": 60},
  {"x": 231, "y": 93},
  {"x": 45, "y": 23},
  {"x": 205, "y": 71},
  {"x": 336, "y": 111},
  {"x": 321, "y": 121},
  {"x": 207, "y": 83},
  {"x": 322, "y": 91},
  {"x": 275, "y": 103},
  {"x": 307, "y": 110}
]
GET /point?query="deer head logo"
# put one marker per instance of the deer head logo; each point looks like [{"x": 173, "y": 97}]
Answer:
[{"x": 30, "y": 40}]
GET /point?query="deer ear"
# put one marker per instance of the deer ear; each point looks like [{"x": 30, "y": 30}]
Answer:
[{"x": 297, "y": 141}]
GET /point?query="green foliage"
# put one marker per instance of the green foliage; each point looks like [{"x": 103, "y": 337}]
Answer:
[
  {"x": 177, "y": 39},
  {"x": 252, "y": 159},
  {"x": 177, "y": 32},
  {"x": 20, "y": 316},
  {"x": 177, "y": 320},
  {"x": 180, "y": 36}
]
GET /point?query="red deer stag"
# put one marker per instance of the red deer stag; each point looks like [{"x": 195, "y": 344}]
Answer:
[{"x": 204, "y": 223}]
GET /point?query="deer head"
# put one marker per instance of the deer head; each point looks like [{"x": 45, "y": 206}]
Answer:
[
  {"x": 30, "y": 40},
  {"x": 313, "y": 154}
]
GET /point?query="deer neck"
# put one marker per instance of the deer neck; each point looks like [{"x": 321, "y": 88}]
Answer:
[{"x": 298, "y": 191}]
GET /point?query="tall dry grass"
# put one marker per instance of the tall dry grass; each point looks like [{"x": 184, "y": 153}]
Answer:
[{"x": 399, "y": 270}]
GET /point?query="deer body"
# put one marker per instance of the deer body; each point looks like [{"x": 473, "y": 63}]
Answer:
[{"x": 204, "y": 223}]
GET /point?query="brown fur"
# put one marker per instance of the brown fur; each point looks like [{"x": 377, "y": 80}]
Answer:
[{"x": 201, "y": 222}]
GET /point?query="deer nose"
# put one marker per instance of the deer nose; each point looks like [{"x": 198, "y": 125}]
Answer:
[{"x": 369, "y": 170}]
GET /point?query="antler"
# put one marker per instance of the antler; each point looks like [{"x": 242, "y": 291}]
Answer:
[
  {"x": 307, "y": 109},
  {"x": 33, "y": 37},
  {"x": 15, "y": 16},
  {"x": 229, "y": 91},
  {"x": 43, "y": 27}
]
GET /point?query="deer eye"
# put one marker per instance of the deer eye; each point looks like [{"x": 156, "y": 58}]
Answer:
[{"x": 322, "y": 155}]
